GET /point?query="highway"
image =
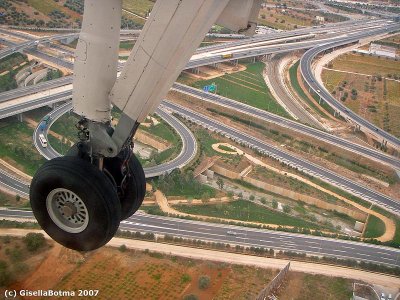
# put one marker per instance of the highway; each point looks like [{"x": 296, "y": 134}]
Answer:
[
  {"x": 307, "y": 73},
  {"x": 232, "y": 104},
  {"x": 250, "y": 237},
  {"x": 188, "y": 151},
  {"x": 246, "y": 236},
  {"x": 281, "y": 121},
  {"x": 277, "y": 153},
  {"x": 31, "y": 43},
  {"x": 278, "y": 86}
]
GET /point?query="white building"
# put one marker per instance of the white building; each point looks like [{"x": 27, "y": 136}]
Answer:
[
  {"x": 382, "y": 50},
  {"x": 320, "y": 19}
]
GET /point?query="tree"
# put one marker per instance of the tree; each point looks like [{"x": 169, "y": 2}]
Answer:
[
  {"x": 122, "y": 248},
  {"x": 220, "y": 183},
  {"x": 17, "y": 198},
  {"x": 251, "y": 198},
  {"x": 204, "y": 282},
  {"x": 274, "y": 204},
  {"x": 263, "y": 200},
  {"x": 34, "y": 241},
  {"x": 287, "y": 208}
]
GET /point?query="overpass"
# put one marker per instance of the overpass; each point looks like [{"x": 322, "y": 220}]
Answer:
[{"x": 320, "y": 91}]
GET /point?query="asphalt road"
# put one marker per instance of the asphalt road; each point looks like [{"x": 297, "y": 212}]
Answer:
[
  {"x": 276, "y": 81},
  {"x": 307, "y": 167},
  {"x": 269, "y": 117},
  {"x": 312, "y": 245},
  {"x": 307, "y": 73},
  {"x": 188, "y": 151}
]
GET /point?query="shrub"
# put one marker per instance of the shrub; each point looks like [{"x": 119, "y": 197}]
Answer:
[
  {"x": 204, "y": 282},
  {"x": 186, "y": 278},
  {"x": 274, "y": 204},
  {"x": 34, "y": 241},
  {"x": 122, "y": 248},
  {"x": 286, "y": 209}
]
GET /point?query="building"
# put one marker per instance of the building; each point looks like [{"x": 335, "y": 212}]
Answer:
[
  {"x": 382, "y": 50},
  {"x": 320, "y": 19}
]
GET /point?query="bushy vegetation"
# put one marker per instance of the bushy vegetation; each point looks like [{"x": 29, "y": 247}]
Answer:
[
  {"x": 183, "y": 184},
  {"x": 75, "y": 5},
  {"x": 34, "y": 241},
  {"x": 204, "y": 282}
]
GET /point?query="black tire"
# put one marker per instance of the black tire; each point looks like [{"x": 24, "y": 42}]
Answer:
[
  {"x": 95, "y": 191},
  {"x": 133, "y": 191}
]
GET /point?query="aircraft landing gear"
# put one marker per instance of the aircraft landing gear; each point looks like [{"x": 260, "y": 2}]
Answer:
[
  {"x": 80, "y": 206},
  {"x": 129, "y": 178}
]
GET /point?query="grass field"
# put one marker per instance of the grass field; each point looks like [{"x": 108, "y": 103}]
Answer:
[
  {"x": 140, "y": 7},
  {"x": 375, "y": 227},
  {"x": 48, "y": 6},
  {"x": 246, "y": 86},
  {"x": 167, "y": 133},
  {"x": 17, "y": 145},
  {"x": 162, "y": 130},
  {"x": 246, "y": 211},
  {"x": 366, "y": 64},
  {"x": 44, "y": 6}
]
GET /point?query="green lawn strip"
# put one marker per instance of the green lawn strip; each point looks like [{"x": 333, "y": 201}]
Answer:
[
  {"x": 295, "y": 84},
  {"x": 245, "y": 211},
  {"x": 375, "y": 227},
  {"x": 239, "y": 91},
  {"x": 126, "y": 45},
  {"x": 226, "y": 148},
  {"x": 16, "y": 143}
]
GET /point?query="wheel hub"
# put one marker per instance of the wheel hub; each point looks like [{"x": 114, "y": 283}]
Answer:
[{"x": 67, "y": 210}]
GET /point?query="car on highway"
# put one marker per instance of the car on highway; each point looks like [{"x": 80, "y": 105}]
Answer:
[
  {"x": 230, "y": 232},
  {"x": 318, "y": 91},
  {"x": 383, "y": 296}
]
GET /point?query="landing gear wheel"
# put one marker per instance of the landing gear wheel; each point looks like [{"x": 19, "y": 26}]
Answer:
[
  {"x": 130, "y": 181},
  {"x": 75, "y": 203}
]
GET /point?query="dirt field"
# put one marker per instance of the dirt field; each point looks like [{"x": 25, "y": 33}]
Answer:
[
  {"x": 133, "y": 274},
  {"x": 366, "y": 64},
  {"x": 376, "y": 100},
  {"x": 141, "y": 275},
  {"x": 306, "y": 286}
]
